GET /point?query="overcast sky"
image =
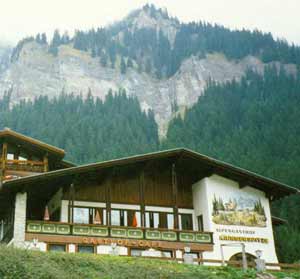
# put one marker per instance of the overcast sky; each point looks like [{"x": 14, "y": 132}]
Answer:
[{"x": 20, "y": 18}]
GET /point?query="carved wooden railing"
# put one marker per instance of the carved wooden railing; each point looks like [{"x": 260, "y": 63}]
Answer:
[
  {"x": 24, "y": 165},
  {"x": 60, "y": 228}
]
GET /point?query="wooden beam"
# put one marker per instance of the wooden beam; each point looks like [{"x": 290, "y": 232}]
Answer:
[
  {"x": 175, "y": 197},
  {"x": 3, "y": 158},
  {"x": 46, "y": 163},
  {"x": 109, "y": 182},
  {"x": 142, "y": 197}
]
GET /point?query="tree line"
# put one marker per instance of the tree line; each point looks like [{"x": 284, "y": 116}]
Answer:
[
  {"x": 122, "y": 46},
  {"x": 89, "y": 129}
]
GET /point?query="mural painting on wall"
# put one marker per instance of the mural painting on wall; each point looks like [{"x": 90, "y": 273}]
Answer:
[{"x": 239, "y": 210}]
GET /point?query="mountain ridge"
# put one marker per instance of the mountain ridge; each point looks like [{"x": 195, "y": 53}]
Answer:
[{"x": 163, "y": 62}]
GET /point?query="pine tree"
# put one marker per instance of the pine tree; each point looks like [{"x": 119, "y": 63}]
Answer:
[
  {"x": 38, "y": 38},
  {"x": 129, "y": 63},
  {"x": 148, "y": 66},
  {"x": 56, "y": 41},
  {"x": 123, "y": 66},
  {"x": 103, "y": 59},
  {"x": 44, "y": 38},
  {"x": 65, "y": 39}
]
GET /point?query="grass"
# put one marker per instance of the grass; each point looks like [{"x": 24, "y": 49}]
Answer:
[{"x": 15, "y": 263}]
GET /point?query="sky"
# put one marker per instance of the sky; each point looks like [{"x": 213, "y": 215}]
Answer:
[{"x": 21, "y": 18}]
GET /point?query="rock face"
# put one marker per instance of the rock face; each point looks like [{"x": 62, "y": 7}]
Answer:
[
  {"x": 37, "y": 72},
  {"x": 140, "y": 19}
]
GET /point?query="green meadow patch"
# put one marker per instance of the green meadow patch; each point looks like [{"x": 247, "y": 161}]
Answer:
[{"x": 15, "y": 264}]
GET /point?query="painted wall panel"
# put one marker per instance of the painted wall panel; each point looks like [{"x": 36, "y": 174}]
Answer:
[{"x": 235, "y": 216}]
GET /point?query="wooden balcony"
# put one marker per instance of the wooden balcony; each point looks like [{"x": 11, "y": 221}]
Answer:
[
  {"x": 24, "y": 165},
  {"x": 134, "y": 233}
]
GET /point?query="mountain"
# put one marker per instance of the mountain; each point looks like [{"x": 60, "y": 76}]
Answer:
[{"x": 163, "y": 62}]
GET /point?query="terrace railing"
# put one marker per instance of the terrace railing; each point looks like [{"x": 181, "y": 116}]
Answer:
[
  {"x": 24, "y": 165},
  {"x": 119, "y": 232}
]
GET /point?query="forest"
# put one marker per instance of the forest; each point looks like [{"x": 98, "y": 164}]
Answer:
[{"x": 89, "y": 129}]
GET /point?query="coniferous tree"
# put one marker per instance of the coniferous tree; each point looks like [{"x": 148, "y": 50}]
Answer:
[
  {"x": 56, "y": 41},
  {"x": 129, "y": 63},
  {"x": 148, "y": 66},
  {"x": 123, "y": 66},
  {"x": 44, "y": 38},
  {"x": 103, "y": 59}
]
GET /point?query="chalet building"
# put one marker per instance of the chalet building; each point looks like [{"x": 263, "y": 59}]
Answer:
[{"x": 159, "y": 204}]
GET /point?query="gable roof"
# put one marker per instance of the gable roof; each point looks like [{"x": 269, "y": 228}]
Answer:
[
  {"x": 22, "y": 139},
  {"x": 244, "y": 177}
]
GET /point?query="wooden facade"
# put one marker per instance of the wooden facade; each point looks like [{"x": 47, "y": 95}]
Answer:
[
  {"x": 152, "y": 186},
  {"x": 153, "y": 190},
  {"x": 22, "y": 156}
]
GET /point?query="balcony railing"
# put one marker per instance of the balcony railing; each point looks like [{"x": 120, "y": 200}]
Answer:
[
  {"x": 59, "y": 228},
  {"x": 24, "y": 165}
]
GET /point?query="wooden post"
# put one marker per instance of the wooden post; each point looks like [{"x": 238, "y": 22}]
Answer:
[
  {"x": 46, "y": 163},
  {"x": 71, "y": 204},
  {"x": 142, "y": 198},
  {"x": 3, "y": 158},
  {"x": 175, "y": 195},
  {"x": 108, "y": 183}
]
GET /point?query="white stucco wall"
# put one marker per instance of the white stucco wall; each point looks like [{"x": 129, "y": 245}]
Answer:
[
  {"x": 200, "y": 202},
  {"x": 203, "y": 195},
  {"x": 20, "y": 219}
]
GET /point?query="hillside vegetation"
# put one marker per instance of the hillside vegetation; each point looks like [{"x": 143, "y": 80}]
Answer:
[
  {"x": 89, "y": 129},
  {"x": 19, "y": 264}
]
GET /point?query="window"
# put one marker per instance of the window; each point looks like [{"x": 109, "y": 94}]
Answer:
[
  {"x": 10, "y": 156},
  {"x": 81, "y": 215},
  {"x": 159, "y": 220},
  {"x": 186, "y": 222},
  {"x": 128, "y": 218},
  {"x": 136, "y": 252},
  {"x": 166, "y": 254},
  {"x": 85, "y": 249},
  {"x": 86, "y": 215},
  {"x": 133, "y": 218},
  {"x": 200, "y": 223},
  {"x": 152, "y": 220},
  {"x": 117, "y": 217},
  {"x": 170, "y": 220},
  {"x": 57, "y": 247}
]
